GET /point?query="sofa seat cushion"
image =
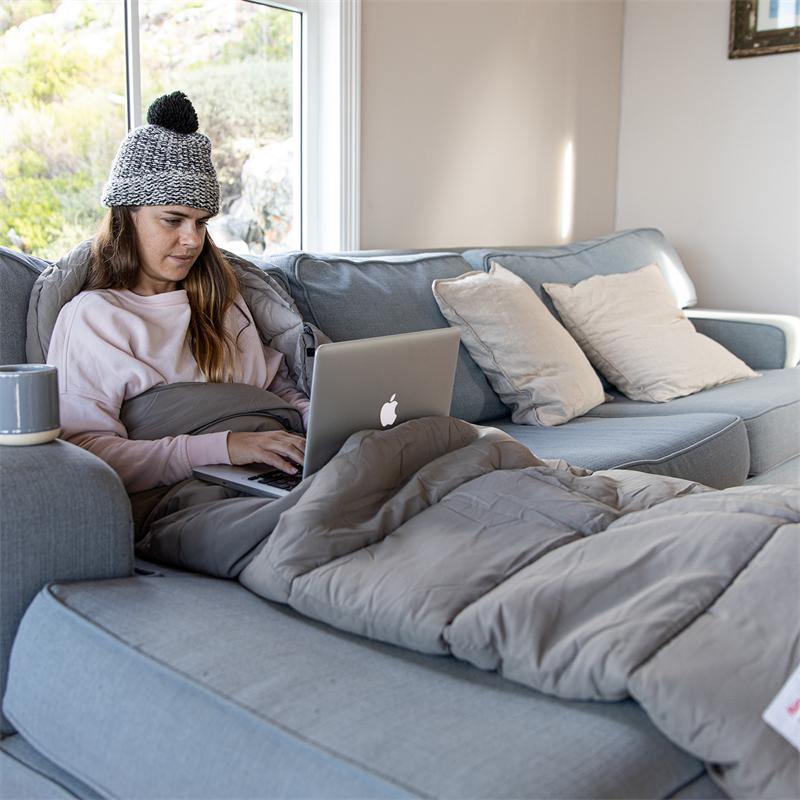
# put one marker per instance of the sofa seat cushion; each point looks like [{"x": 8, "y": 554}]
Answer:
[
  {"x": 25, "y": 772},
  {"x": 19, "y": 781},
  {"x": 176, "y": 685},
  {"x": 788, "y": 472},
  {"x": 356, "y": 298},
  {"x": 708, "y": 448},
  {"x": 769, "y": 406}
]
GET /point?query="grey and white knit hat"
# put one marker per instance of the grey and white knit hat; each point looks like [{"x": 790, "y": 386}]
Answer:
[{"x": 166, "y": 162}]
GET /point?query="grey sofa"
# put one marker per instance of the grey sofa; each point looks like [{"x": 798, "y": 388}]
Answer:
[{"x": 127, "y": 679}]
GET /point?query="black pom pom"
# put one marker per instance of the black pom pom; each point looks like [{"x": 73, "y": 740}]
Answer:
[{"x": 174, "y": 111}]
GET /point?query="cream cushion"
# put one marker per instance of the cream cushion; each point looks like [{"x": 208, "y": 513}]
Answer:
[
  {"x": 634, "y": 333},
  {"x": 532, "y": 363}
]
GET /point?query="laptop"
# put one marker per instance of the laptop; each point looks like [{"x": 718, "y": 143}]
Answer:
[{"x": 359, "y": 385}]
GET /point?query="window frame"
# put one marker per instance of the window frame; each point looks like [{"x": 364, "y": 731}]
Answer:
[{"x": 327, "y": 109}]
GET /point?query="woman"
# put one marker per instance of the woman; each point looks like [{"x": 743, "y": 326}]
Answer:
[{"x": 162, "y": 305}]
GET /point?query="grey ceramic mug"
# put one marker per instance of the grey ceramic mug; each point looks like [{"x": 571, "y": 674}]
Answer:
[{"x": 28, "y": 404}]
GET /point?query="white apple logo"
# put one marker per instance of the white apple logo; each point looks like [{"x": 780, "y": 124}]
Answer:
[{"x": 388, "y": 412}]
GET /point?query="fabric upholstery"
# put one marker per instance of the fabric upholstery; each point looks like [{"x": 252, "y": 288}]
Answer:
[
  {"x": 632, "y": 331},
  {"x": 65, "y": 516},
  {"x": 570, "y": 263},
  {"x": 24, "y": 772},
  {"x": 18, "y": 781},
  {"x": 759, "y": 346},
  {"x": 353, "y": 298},
  {"x": 769, "y": 406},
  {"x": 531, "y": 361},
  {"x": 18, "y": 273},
  {"x": 260, "y": 686},
  {"x": 296, "y": 709},
  {"x": 708, "y": 448},
  {"x": 787, "y": 472}
]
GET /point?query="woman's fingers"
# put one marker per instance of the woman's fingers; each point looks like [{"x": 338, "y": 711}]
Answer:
[
  {"x": 274, "y": 460},
  {"x": 277, "y": 448},
  {"x": 289, "y": 446},
  {"x": 295, "y": 453},
  {"x": 295, "y": 441}
]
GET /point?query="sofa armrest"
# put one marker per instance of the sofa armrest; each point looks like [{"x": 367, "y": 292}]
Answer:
[
  {"x": 763, "y": 341},
  {"x": 65, "y": 516}
]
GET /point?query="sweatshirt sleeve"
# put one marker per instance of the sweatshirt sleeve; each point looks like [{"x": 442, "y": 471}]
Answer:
[
  {"x": 96, "y": 372},
  {"x": 141, "y": 464}
]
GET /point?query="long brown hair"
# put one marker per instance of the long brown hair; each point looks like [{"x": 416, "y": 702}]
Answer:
[{"x": 211, "y": 286}]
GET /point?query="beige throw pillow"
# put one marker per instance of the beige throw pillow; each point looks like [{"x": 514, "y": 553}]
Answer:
[
  {"x": 633, "y": 332},
  {"x": 530, "y": 360}
]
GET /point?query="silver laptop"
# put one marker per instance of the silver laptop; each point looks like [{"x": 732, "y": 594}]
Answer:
[{"x": 359, "y": 385}]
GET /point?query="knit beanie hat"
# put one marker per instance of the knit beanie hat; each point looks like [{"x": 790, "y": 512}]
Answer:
[{"x": 166, "y": 162}]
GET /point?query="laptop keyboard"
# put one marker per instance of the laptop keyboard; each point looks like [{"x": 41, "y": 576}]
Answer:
[{"x": 275, "y": 477}]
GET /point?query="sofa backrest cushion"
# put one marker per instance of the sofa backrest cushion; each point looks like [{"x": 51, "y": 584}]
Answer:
[
  {"x": 624, "y": 251},
  {"x": 356, "y": 298},
  {"x": 18, "y": 273}
]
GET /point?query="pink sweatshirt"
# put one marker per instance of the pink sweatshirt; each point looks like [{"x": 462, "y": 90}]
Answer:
[{"x": 111, "y": 344}]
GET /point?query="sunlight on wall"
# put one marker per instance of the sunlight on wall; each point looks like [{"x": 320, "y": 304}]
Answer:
[{"x": 567, "y": 191}]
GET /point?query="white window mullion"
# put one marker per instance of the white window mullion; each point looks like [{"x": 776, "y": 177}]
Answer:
[
  {"x": 312, "y": 135},
  {"x": 133, "y": 76},
  {"x": 331, "y": 152},
  {"x": 350, "y": 58},
  {"x": 300, "y": 194},
  {"x": 322, "y": 145}
]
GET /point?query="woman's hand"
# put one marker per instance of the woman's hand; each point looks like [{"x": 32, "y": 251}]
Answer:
[{"x": 277, "y": 448}]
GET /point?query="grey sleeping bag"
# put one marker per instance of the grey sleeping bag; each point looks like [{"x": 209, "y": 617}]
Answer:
[
  {"x": 196, "y": 525},
  {"x": 450, "y": 538}
]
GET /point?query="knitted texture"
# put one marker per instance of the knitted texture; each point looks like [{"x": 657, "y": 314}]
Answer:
[
  {"x": 159, "y": 166},
  {"x": 174, "y": 111}
]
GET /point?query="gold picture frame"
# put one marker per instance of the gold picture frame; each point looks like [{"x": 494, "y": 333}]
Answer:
[{"x": 761, "y": 27}]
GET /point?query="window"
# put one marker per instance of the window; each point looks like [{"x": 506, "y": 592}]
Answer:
[
  {"x": 65, "y": 91},
  {"x": 62, "y": 116},
  {"x": 239, "y": 64}
]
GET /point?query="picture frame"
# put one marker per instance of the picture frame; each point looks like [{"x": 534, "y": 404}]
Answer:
[{"x": 762, "y": 27}]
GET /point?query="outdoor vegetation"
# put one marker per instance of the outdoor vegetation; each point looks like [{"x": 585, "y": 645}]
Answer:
[{"x": 62, "y": 111}]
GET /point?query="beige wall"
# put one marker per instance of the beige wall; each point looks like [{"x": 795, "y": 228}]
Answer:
[
  {"x": 710, "y": 153},
  {"x": 467, "y": 107}
]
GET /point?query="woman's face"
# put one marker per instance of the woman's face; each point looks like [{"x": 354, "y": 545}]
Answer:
[{"x": 169, "y": 239}]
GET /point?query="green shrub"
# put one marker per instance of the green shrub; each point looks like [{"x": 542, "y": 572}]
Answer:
[
  {"x": 266, "y": 36},
  {"x": 13, "y": 12}
]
